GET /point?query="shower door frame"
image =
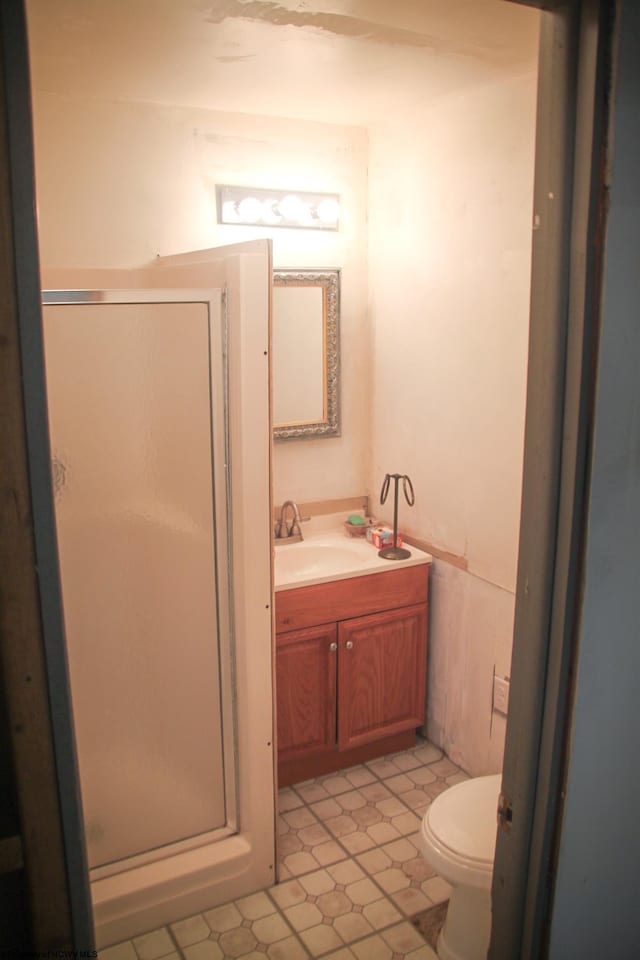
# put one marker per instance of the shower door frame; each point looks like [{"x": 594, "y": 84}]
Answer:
[{"x": 212, "y": 300}]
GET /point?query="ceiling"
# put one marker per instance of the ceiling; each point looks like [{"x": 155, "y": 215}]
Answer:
[{"x": 341, "y": 61}]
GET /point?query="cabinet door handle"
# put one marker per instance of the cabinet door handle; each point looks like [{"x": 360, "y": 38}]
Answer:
[
  {"x": 349, "y": 645},
  {"x": 333, "y": 647}
]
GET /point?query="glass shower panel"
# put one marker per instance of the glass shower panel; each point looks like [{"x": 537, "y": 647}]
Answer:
[{"x": 132, "y": 392}]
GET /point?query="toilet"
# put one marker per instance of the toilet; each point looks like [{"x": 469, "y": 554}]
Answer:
[{"x": 458, "y": 838}]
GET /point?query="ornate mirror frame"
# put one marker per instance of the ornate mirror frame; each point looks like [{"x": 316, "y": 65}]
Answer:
[{"x": 329, "y": 282}]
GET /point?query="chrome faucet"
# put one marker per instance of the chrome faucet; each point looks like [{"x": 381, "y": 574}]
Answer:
[{"x": 290, "y": 532}]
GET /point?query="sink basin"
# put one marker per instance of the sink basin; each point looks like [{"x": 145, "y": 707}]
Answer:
[
  {"x": 331, "y": 556},
  {"x": 316, "y": 559}
]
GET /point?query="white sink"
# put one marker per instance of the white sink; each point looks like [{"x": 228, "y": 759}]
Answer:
[
  {"x": 332, "y": 556},
  {"x": 316, "y": 559}
]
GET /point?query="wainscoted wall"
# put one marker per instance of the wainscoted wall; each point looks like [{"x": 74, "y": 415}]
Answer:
[{"x": 450, "y": 206}]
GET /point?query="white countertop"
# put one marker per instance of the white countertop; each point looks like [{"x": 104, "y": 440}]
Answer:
[{"x": 327, "y": 553}]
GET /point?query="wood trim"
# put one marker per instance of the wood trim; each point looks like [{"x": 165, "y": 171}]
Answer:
[
  {"x": 438, "y": 553},
  {"x": 297, "y": 771},
  {"x": 22, "y": 655},
  {"x": 33, "y": 650},
  {"x": 355, "y": 597}
]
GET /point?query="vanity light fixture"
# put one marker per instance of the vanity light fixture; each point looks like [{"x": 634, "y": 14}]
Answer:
[{"x": 297, "y": 209}]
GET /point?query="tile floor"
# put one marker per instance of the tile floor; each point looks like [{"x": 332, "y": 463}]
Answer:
[{"x": 351, "y": 875}]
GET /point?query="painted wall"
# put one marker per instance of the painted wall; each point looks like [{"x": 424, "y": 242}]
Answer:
[
  {"x": 595, "y": 900},
  {"x": 120, "y": 182},
  {"x": 450, "y": 199}
]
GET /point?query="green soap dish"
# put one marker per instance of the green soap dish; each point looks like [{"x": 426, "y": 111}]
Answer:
[{"x": 356, "y": 520}]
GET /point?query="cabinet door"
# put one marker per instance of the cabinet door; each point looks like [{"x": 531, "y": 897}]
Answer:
[
  {"x": 381, "y": 674},
  {"x": 306, "y": 691}
]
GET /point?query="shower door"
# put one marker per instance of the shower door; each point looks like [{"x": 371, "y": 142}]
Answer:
[{"x": 136, "y": 394}]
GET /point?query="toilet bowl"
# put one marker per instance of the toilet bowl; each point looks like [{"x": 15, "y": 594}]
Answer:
[{"x": 458, "y": 838}]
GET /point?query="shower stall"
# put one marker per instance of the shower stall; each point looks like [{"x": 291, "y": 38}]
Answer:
[{"x": 148, "y": 422}]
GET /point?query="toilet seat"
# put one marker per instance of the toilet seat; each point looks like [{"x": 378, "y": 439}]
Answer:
[{"x": 458, "y": 832}]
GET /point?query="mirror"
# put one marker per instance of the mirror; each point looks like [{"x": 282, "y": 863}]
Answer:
[{"x": 305, "y": 354}]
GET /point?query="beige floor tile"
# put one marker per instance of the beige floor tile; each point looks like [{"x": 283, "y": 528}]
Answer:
[
  {"x": 298, "y": 863},
  {"x": 223, "y": 918},
  {"x": 405, "y": 761},
  {"x": 352, "y": 800},
  {"x": 317, "y": 882},
  {"x": 283, "y": 826},
  {"x": 428, "y": 753},
  {"x": 382, "y": 833},
  {"x": 381, "y": 913},
  {"x": 320, "y": 939},
  {"x": 359, "y": 776},
  {"x": 303, "y": 916},
  {"x": 288, "y": 799},
  {"x": 400, "y": 850},
  {"x": 391, "y": 807},
  {"x": 256, "y": 906},
  {"x": 373, "y": 948},
  {"x": 329, "y": 852},
  {"x": 341, "y": 826},
  {"x": 357, "y": 842},
  {"x": 383, "y": 768},
  {"x": 373, "y": 861},
  {"x": 444, "y": 767},
  {"x": 205, "y": 950},
  {"x": 302, "y": 817},
  {"x": 154, "y": 945},
  {"x": 238, "y": 942},
  {"x": 368, "y": 815},
  {"x": 270, "y": 929},
  {"x": 191, "y": 930},
  {"x": 120, "y": 951},
  {"x": 312, "y": 792},
  {"x": 392, "y": 880},
  {"x": 459, "y": 777},
  {"x": 344, "y": 954},
  {"x": 334, "y": 904},
  {"x": 352, "y": 926},
  {"x": 344, "y": 873},
  {"x": 325, "y": 809},
  {"x": 436, "y": 889},
  {"x": 375, "y": 791},
  {"x": 406, "y": 823},
  {"x": 418, "y": 869},
  {"x": 314, "y": 835},
  {"x": 288, "y": 894},
  {"x": 402, "y": 938},
  {"x": 290, "y": 843},
  {"x": 362, "y": 892},
  {"x": 422, "y": 775},
  {"x": 411, "y": 901},
  {"x": 283, "y": 873},
  {"x": 416, "y": 797},
  {"x": 399, "y": 784},
  {"x": 335, "y": 785},
  {"x": 289, "y": 949}
]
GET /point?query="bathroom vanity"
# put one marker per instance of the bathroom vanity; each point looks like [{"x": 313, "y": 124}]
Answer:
[{"x": 351, "y": 658}]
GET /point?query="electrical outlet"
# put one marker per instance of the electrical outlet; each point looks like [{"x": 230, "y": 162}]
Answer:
[{"x": 500, "y": 695}]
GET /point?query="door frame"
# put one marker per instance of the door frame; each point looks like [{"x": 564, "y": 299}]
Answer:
[
  {"x": 569, "y": 217},
  {"x": 570, "y": 200}
]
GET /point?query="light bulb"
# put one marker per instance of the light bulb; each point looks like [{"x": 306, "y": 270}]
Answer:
[
  {"x": 328, "y": 210},
  {"x": 271, "y": 212},
  {"x": 230, "y": 212},
  {"x": 291, "y": 207},
  {"x": 250, "y": 209}
]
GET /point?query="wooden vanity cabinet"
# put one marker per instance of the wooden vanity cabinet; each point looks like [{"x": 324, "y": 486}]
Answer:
[{"x": 352, "y": 688}]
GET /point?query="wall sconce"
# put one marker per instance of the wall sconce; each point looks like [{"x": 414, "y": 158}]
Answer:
[{"x": 255, "y": 206}]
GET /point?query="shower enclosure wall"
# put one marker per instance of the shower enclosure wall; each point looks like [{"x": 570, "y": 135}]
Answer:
[{"x": 149, "y": 423}]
